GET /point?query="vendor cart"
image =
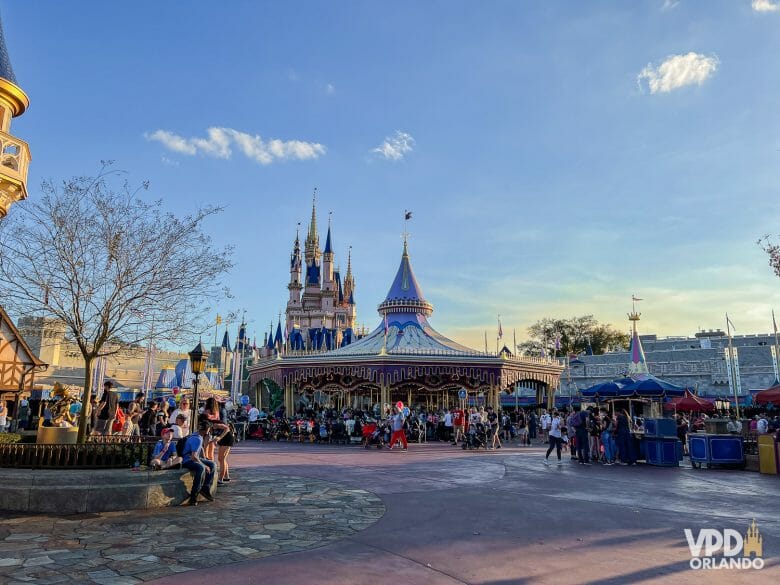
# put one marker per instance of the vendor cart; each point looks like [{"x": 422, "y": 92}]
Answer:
[{"x": 711, "y": 449}]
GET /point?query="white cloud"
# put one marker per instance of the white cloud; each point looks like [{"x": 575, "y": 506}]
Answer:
[
  {"x": 219, "y": 141},
  {"x": 765, "y": 6},
  {"x": 395, "y": 147},
  {"x": 678, "y": 71},
  {"x": 669, "y": 4},
  {"x": 330, "y": 89}
]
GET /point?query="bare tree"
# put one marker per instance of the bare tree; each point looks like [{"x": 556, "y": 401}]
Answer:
[{"x": 93, "y": 253}]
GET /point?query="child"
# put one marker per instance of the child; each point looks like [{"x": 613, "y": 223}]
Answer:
[{"x": 164, "y": 455}]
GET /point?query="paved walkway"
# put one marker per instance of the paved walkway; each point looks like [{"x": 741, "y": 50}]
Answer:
[
  {"x": 263, "y": 514},
  {"x": 450, "y": 517}
]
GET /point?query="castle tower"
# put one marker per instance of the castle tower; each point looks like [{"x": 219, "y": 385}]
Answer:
[
  {"x": 329, "y": 292},
  {"x": 45, "y": 336},
  {"x": 14, "y": 153},
  {"x": 294, "y": 286}
]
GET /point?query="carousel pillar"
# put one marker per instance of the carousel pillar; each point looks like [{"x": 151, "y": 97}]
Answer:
[
  {"x": 288, "y": 399},
  {"x": 496, "y": 398},
  {"x": 384, "y": 396},
  {"x": 551, "y": 398}
]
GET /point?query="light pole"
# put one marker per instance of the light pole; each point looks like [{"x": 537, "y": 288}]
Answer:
[{"x": 198, "y": 357}]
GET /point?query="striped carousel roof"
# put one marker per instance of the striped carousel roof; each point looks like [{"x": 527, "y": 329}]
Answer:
[{"x": 405, "y": 313}]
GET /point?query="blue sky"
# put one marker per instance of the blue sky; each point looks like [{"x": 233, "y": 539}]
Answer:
[{"x": 558, "y": 156}]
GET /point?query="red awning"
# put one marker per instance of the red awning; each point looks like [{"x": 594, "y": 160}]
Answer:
[
  {"x": 690, "y": 403},
  {"x": 769, "y": 395}
]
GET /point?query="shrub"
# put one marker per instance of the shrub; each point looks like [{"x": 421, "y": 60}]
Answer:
[{"x": 6, "y": 438}]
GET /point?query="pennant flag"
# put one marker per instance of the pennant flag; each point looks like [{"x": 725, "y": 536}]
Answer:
[
  {"x": 407, "y": 214},
  {"x": 730, "y": 322},
  {"x": 219, "y": 319},
  {"x": 500, "y": 329},
  {"x": 558, "y": 342}
]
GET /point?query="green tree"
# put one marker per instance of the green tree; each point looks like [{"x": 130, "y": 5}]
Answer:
[
  {"x": 572, "y": 335},
  {"x": 115, "y": 268}
]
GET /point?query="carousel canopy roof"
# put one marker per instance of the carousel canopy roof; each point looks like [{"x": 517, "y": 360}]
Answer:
[{"x": 408, "y": 332}]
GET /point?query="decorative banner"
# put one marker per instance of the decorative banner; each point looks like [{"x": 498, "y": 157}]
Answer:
[
  {"x": 736, "y": 371},
  {"x": 728, "y": 370},
  {"x": 773, "y": 350}
]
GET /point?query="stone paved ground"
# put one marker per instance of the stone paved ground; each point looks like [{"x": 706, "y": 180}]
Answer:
[
  {"x": 446, "y": 516},
  {"x": 262, "y": 514}
]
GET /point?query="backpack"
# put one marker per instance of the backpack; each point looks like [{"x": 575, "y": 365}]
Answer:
[
  {"x": 119, "y": 421},
  {"x": 180, "y": 446}
]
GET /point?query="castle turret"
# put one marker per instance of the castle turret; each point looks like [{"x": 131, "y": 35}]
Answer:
[
  {"x": 329, "y": 292},
  {"x": 349, "y": 281},
  {"x": 14, "y": 153}
]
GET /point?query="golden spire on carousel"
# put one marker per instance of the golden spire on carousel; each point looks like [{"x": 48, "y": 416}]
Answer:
[{"x": 14, "y": 153}]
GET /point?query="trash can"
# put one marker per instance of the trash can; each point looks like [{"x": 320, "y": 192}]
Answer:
[{"x": 767, "y": 455}]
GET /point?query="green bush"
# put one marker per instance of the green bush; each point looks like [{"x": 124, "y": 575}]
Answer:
[{"x": 6, "y": 438}]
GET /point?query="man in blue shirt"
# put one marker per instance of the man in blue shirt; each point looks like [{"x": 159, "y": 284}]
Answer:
[{"x": 194, "y": 460}]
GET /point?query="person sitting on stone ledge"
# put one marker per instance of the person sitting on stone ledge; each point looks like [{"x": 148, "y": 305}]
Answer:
[
  {"x": 202, "y": 468},
  {"x": 164, "y": 455}
]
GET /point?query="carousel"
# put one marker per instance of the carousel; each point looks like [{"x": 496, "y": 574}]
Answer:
[{"x": 404, "y": 359}]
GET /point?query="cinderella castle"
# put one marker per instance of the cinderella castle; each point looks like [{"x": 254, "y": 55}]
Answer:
[{"x": 320, "y": 312}]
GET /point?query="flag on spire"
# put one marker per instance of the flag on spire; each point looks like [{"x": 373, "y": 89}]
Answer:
[{"x": 500, "y": 329}]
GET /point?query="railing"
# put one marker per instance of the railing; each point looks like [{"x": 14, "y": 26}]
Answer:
[
  {"x": 14, "y": 157},
  {"x": 99, "y": 453}
]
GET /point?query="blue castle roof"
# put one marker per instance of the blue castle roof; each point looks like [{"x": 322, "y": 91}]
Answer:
[
  {"x": 6, "y": 71},
  {"x": 328, "y": 248}
]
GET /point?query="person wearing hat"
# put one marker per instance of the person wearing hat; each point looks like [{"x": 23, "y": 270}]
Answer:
[{"x": 164, "y": 455}]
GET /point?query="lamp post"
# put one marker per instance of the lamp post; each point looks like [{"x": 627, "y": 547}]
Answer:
[{"x": 198, "y": 357}]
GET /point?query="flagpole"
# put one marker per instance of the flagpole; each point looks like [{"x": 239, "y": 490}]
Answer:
[
  {"x": 486, "y": 347},
  {"x": 731, "y": 361},
  {"x": 774, "y": 324},
  {"x": 514, "y": 341}
]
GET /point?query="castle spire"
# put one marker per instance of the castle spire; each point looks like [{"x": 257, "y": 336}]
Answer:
[
  {"x": 313, "y": 238},
  {"x": 16, "y": 153},
  {"x": 328, "y": 248},
  {"x": 638, "y": 365}
]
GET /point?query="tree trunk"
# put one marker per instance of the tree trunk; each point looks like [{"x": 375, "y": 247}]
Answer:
[{"x": 86, "y": 400}]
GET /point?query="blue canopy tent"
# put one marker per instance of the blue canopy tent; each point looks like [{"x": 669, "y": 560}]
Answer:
[
  {"x": 602, "y": 390},
  {"x": 649, "y": 386}
]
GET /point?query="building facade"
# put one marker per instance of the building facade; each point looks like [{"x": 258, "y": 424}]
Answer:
[
  {"x": 699, "y": 362},
  {"x": 321, "y": 310}
]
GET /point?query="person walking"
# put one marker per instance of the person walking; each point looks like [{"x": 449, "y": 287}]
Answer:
[
  {"x": 399, "y": 434},
  {"x": 555, "y": 438}
]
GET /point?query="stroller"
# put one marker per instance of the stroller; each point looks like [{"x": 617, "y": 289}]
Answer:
[
  {"x": 476, "y": 437},
  {"x": 373, "y": 435}
]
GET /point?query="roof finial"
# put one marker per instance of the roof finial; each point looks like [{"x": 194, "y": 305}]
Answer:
[
  {"x": 407, "y": 217},
  {"x": 633, "y": 315}
]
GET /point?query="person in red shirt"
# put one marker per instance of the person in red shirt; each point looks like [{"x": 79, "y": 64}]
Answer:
[{"x": 458, "y": 422}]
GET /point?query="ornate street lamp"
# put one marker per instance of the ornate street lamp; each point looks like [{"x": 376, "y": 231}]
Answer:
[{"x": 198, "y": 358}]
